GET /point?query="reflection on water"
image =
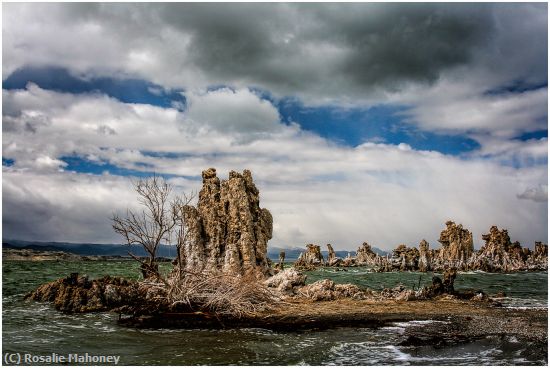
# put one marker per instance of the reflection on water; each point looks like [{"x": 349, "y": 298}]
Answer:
[{"x": 37, "y": 328}]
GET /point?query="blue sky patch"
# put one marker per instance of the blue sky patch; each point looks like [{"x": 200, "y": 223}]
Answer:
[
  {"x": 517, "y": 86},
  {"x": 533, "y": 135},
  {"x": 379, "y": 124},
  {"x": 7, "y": 162},
  {"x": 82, "y": 165},
  {"x": 125, "y": 90}
]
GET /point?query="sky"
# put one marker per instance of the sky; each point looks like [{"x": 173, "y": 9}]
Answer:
[{"x": 371, "y": 122}]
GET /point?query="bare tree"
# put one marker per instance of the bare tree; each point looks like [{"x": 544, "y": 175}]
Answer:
[{"x": 152, "y": 225}]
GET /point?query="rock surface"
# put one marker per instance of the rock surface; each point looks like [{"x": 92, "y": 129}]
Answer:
[
  {"x": 539, "y": 258},
  {"x": 424, "y": 256},
  {"x": 311, "y": 258},
  {"x": 498, "y": 253},
  {"x": 367, "y": 257},
  {"x": 227, "y": 231},
  {"x": 332, "y": 259},
  {"x": 328, "y": 290},
  {"x": 77, "y": 294},
  {"x": 287, "y": 281},
  {"x": 457, "y": 245}
]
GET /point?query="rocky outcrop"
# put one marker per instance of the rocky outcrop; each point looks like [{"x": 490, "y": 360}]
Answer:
[
  {"x": 367, "y": 257},
  {"x": 279, "y": 266},
  {"x": 332, "y": 259},
  {"x": 457, "y": 245},
  {"x": 457, "y": 251},
  {"x": 228, "y": 231},
  {"x": 287, "y": 281},
  {"x": 400, "y": 293},
  {"x": 77, "y": 294},
  {"x": 407, "y": 257},
  {"x": 499, "y": 253},
  {"x": 439, "y": 287},
  {"x": 538, "y": 259},
  {"x": 328, "y": 290},
  {"x": 349, "y": 261},
  {"x": 424, "y": 256},
  {"x": 403, "y": 259},
  {"x": 311, "y": 258}
]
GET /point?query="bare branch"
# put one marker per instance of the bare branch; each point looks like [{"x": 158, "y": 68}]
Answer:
[{"x": 154, "y": 223}]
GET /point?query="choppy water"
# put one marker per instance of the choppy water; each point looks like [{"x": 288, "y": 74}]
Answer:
[
  {"x": 30, "y": 327},
  {"x": 522, "y": 289}
]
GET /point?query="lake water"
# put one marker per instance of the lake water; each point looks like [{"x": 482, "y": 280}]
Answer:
[{"x": 37, "y": 328}]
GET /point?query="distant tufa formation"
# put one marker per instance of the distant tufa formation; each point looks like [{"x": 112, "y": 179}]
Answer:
[
  {"x": 365, "y": 255},
  {"x": 457, "y": 245},
  {"x": 311, "y": 258},
  {"x": 498, "y": 254},
  {"x": 227, "y": 231}
]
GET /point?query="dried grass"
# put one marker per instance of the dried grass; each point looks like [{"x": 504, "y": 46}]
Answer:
[{"x": 229, "y": 295}]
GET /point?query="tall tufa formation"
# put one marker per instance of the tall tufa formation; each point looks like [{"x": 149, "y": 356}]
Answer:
[
  {"x": 424, "y": 257},
  {"x": 332, "y": 259},
  {"x": 457, "y": 245},
  {"x": 228, "y": 231}
]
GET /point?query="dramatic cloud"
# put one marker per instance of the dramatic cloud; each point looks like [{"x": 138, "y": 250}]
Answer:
[
  {"x": 317, "y": 191},
  {"x": 319, "y": 52},
  {"x": 321, "y": 101}
]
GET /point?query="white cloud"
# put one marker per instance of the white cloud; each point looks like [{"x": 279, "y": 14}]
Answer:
[
  {"x": 537, "y": 194},
  {"x": 232, "y": 111},
  {"x": 317, "y": 191},
  {"x": 456, "y": 105}
]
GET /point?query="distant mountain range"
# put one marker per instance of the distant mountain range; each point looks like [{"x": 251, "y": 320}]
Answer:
[{"x": 90, "y": 249}]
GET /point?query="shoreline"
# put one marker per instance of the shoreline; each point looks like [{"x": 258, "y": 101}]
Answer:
[
  {"x": 451, "y": 318},
  {"x": 302, "y": 313},
  {"x": 436, "y": 323}
]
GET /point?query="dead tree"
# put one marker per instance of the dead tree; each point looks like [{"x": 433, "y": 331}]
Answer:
[{"x": 152, "y": 225}]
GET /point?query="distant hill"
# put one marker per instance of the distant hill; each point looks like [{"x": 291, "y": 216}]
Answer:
[
  {"x": 88, "y": 249},
  {"x": 168, "y": 251}
]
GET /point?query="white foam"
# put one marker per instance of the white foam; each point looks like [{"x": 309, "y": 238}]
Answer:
[
  {"x": 399, "y": 355},
  {"x": 419, "y": 322},
  {"x": 401, "y": 330}
]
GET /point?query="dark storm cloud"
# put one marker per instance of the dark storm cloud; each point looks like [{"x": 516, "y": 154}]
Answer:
[
  {"x": 375, "y": 44},
  {"x": 313, "y": 51}
]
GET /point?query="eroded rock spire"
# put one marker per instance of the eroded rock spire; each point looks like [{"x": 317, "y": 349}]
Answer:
[{"x": 228, "y": 231}]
